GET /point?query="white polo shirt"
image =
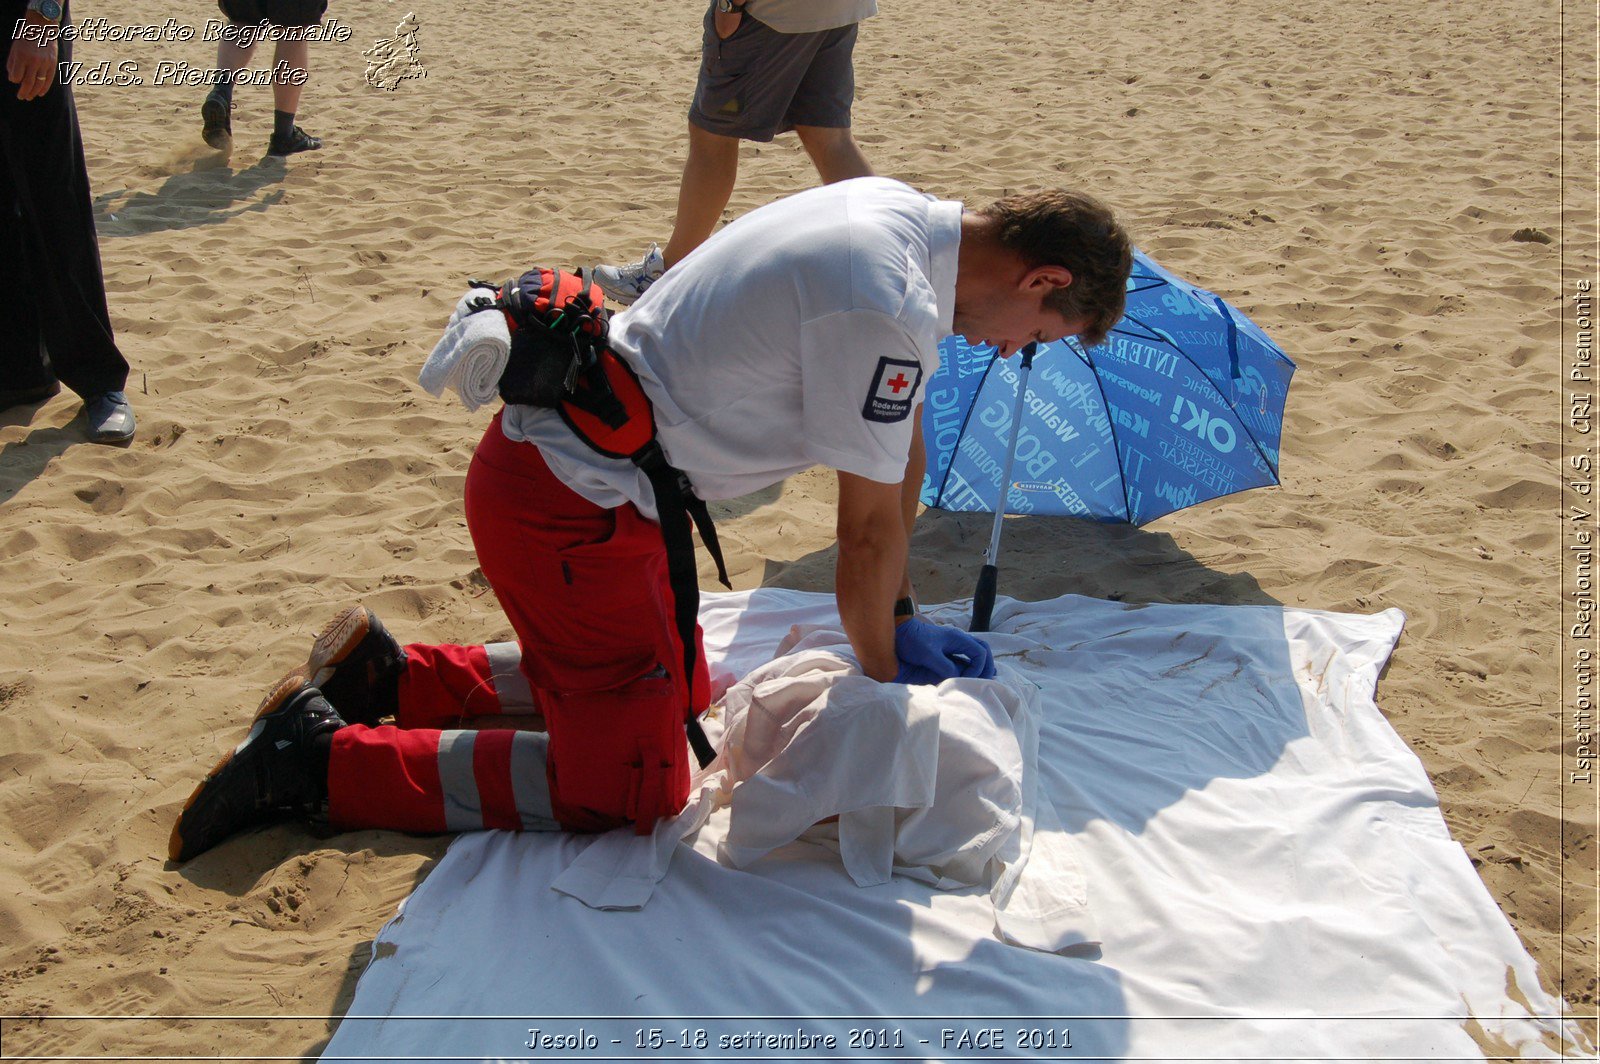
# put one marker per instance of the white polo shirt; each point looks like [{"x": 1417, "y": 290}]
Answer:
[{"x": 801, "y": 334}]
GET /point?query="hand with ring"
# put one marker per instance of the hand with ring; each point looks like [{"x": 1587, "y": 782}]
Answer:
[{"x": 31, "y": 66}]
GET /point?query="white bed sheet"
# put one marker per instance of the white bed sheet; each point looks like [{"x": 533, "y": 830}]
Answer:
[{"x": 1267, "y": 870}]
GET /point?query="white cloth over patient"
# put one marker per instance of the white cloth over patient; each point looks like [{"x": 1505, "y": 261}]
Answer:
[{"x": 936, "y": 783}]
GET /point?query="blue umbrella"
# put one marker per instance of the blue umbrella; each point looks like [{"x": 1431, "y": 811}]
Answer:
[{"x": 1183, "y": 402}]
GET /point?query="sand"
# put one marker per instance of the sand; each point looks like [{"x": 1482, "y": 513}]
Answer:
[{"x": 1379, "y": 184}]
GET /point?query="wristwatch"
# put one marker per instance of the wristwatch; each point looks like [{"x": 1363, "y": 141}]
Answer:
[
  {"x": 49, "y": 10},
  {"x": 728, "y": 7},
  {"x": 906, "y": 607}
]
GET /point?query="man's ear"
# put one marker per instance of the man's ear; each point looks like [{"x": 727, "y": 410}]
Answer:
[{"x": 1047, "y": 277}]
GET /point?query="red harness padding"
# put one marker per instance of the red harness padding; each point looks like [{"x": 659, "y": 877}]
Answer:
[{"x": 637, "y": 431}]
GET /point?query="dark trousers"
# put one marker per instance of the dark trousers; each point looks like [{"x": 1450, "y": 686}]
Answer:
[{"x": 51, "y": 288}]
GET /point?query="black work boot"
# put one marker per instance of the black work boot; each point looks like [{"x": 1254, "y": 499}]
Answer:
[
  {"x": 276, "y": 773},
  {"x": 357, "y": 664}
]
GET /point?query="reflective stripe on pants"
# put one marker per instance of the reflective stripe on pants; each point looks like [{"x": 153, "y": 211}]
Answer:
[{"x": 428, "y": 780}]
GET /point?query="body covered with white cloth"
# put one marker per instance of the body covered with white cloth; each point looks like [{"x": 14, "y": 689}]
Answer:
[{"x": 938, "y": 783}]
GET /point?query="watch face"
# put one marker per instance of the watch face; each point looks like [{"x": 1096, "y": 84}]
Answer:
[{"x": 50, "y": 9}]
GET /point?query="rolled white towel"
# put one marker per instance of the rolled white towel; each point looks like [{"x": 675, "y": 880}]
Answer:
[
  {"x": 470, "y": 356},
  {"x": 468, "y": 297}
]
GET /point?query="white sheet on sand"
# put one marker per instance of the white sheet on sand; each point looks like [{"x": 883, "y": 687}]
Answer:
[{"x": 1263, "y": 866}]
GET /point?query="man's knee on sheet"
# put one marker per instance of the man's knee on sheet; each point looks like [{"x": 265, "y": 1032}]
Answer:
[{"x": 617, "y": 756}]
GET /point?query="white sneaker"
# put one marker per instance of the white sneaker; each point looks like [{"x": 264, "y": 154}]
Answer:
[{"x": 624, "y": 284}]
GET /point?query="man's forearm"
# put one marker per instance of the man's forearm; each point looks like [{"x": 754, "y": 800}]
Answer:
[
  {"x": 911, "y": 493},
  {"x": 867, "y": 580}
]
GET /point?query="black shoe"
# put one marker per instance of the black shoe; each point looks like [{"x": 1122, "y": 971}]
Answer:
[
  {"x": 356, "y": 664},
  {"x": 297, "y": 140},
  {"x": 216, "y": 114},
  {"x": 27, "y": 396},
  {"x": 272, "y": 775},
  {"x": 109, "y": 417}
]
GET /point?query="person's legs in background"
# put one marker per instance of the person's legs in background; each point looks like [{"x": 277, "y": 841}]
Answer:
[
  {"x": 709, "y": 175},
  {"x": 288, "y": 138},
  {"x": 819, "y": 112},
  {"x": 234, "y": 53},
  {"x": 216, "y": 113},
  {"x": 834, "y": 152},
  {"x": 753, "y": 85},
  {"x": 52, "y": 262},
  {"x": 26, "y": 379}
]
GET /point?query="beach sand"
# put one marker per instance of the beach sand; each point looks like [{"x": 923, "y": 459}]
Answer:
[{"x": 1378, "y": 184}]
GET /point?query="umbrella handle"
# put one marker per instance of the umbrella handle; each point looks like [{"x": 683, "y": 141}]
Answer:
[
  {"x": 983, "y": 598},
  {"x": 989, "y": 576}
]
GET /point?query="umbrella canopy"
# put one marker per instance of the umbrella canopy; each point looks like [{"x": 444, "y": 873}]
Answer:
[{"x": 1182, "y": 403}]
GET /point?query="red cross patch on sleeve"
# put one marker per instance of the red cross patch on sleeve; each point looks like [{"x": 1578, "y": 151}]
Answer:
[{"x": 894, "y": 386}]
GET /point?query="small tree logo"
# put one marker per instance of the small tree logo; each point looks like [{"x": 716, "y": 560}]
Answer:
[{"x": 394, "y": 59}]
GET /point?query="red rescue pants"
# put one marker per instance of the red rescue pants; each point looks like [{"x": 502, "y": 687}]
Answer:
[{"x": 586, "y": 591}]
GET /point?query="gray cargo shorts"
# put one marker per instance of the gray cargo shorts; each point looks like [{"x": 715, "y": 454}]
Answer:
[{"x": 759, "y": 82}]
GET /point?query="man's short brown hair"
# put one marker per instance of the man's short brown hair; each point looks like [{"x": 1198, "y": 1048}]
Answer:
[{"x": 1071, "y": 229}]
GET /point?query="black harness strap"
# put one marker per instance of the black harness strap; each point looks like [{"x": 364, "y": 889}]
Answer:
[{"x": 676, "y": 503}]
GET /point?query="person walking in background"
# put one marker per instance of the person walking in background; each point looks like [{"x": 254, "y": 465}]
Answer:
[
  {"x": 52, "y": 293},
  {"x": 766, "y": 67},
  {"x": 292, "y": 52}
]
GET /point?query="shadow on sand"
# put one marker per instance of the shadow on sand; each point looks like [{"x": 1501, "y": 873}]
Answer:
[
  {"x": 1053, "y": 556},
  {"x": 206, "y": 190}
]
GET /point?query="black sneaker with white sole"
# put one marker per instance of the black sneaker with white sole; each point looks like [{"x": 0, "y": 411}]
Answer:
[
  {"x": 274, "y": 774},
  {"x": 296, "y": 140}
]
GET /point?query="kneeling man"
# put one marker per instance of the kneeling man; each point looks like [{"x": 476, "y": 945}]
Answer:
[{"x": 799, "y": 335}]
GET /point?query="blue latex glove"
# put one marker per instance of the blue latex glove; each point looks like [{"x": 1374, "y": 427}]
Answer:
[{"x": 931, "y": 652}]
